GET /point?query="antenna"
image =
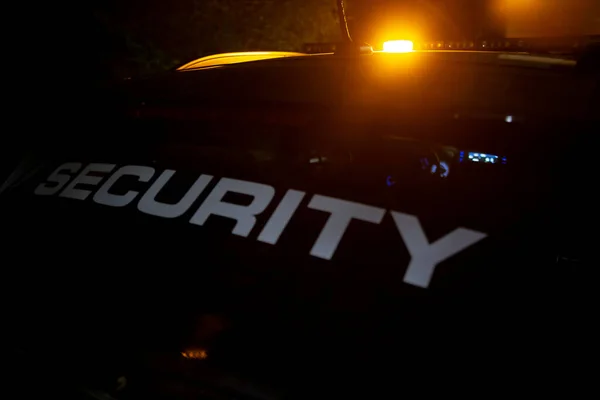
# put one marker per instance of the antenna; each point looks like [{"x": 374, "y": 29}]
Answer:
[
  {"x": 343, "y": 22},
  {"x": 348, "y": 46}
]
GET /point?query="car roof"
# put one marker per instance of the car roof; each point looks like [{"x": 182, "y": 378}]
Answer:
[
  {"x": 404, "y": 83},
  {"x": 241, "y": 59}
]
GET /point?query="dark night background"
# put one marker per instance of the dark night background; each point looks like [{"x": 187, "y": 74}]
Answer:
[
  {"x": 59, "y": 55},
  {"x": 122, "y": 38},
  {"x": 118, "y": 38}
]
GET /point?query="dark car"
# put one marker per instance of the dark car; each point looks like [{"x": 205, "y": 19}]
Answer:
[{"x": 311, "y": 226}]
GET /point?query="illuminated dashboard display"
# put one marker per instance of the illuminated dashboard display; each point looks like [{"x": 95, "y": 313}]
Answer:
[{"x": 484, "y": 158}]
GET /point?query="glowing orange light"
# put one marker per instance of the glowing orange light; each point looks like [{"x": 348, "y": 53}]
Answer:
[
  {"x": 398, "y": 46},
  {"x": 195, "y": 354},
  {"x": 201, "y": 354}
]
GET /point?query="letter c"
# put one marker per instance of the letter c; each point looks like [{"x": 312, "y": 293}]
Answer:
[{"x": 103, "y": 196}]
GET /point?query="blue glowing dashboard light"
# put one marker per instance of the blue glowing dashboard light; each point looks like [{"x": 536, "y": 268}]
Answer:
[
  {"x": 486, "y": 158},
  {"x": 444, "y": 169}
]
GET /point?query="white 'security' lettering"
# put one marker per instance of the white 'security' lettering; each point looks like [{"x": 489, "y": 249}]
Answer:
[
  {"x": 244, "y": 215},
  {"x": 71, "y": 191},
  {"x": 342, "y": 212},
  {"x": 103, "y": 196},
  {"x": 281, "y": 216},
  {"x": 57, "y": 179},
  {"x": 425, "y": 256},
  {"x": 149, "y": 205}
]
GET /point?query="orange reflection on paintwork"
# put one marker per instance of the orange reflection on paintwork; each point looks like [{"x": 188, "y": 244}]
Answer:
[{"x": 236, "y": 58}]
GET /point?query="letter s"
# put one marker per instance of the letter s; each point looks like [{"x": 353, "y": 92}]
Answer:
[{"x": 60, "y": 180}]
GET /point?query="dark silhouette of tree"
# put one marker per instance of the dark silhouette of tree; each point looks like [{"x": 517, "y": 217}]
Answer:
[
  {"x": 230, "y": 25},
  {"x": 148, "y": 36},
  {"x": 136, "y": 37}
]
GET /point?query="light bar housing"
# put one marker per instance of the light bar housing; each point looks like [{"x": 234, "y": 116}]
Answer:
[
  {"x": 567, "y": 45},
  {"x": 550, "y": 44}
]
